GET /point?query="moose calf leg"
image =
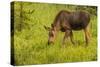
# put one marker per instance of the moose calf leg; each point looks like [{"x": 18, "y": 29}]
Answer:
[
  {"x": 67, "y": 33},
  {"x": 71, "y": 38},
  {"x": 87, "y": 35}
]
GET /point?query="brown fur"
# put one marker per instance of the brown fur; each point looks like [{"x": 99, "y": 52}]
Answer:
[{"x": 66, "y": 21}]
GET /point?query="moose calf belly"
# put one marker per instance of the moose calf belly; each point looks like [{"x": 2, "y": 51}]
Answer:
[{"x": 78, "y": 26}]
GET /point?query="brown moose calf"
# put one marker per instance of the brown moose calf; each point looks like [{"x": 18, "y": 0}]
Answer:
[{"x": 66, "y": 21}]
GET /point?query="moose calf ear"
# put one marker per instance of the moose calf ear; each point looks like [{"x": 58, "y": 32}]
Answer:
[
  {"x": 47, "y": 28},
  {"x": 52, "y": 25}
]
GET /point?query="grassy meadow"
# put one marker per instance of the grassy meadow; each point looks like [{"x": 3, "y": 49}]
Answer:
[{"x": 30, "y": 36}]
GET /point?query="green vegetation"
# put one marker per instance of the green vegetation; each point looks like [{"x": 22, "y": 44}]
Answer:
[{"x": 30, "y": 37}]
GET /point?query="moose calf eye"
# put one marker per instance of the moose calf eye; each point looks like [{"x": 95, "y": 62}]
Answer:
[{"x": 51, "y": 34}]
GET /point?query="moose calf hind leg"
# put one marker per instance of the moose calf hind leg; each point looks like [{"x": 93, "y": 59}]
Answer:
[
  {"x": 87, "y": 36},
  {"x": 71, "y": 38}
]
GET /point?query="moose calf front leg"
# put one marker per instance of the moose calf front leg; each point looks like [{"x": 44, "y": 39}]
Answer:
[{"x": 67, "y": 33}]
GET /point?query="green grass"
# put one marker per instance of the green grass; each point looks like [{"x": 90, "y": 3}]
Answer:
[{"x": 31, "y": 47}]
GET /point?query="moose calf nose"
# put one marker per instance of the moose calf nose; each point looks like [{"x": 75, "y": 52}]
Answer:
[{"x": 50, "y": 43}]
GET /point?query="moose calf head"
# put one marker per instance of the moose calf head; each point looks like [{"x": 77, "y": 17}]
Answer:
[{"x": 52, "y": 33}]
